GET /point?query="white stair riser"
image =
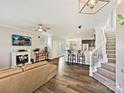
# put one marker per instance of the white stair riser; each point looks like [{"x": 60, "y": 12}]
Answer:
[
  {"x": 111, "y": 52},
  {"x": 111, "y": 40},
  {"x": 111, "y": 56},
  {"x": 110, "y": 36},
  {"x": 110, "y": 33},
  {"x": 110, "y": 48},
  {"x": 111, "y": 44}
]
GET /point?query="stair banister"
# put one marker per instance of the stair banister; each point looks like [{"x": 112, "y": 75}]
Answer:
[{"x": 98, "y": 56}]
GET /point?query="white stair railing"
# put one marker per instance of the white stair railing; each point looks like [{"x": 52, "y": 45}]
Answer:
[{"x": 98, "y": 56}]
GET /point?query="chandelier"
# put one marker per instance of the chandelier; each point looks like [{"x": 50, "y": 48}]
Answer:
[{"x": 91, "y": 6}]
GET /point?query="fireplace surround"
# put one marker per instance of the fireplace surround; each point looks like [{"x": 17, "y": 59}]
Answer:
[{"x": 20, "y": 58}]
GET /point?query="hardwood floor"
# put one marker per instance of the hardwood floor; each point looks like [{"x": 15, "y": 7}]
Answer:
[{"x": 73, "y": 79}]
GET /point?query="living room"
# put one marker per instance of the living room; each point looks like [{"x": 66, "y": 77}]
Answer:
[{"x": 63, "y": 46}]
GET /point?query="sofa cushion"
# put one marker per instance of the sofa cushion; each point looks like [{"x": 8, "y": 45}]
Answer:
[
  {"x": 4, "y": 85},
  {"x": 9, "y": 72},
  {"x": 52, "y": 68},
  {"x": 35, "y": 65},
  {"x": 19, "y": 81}
]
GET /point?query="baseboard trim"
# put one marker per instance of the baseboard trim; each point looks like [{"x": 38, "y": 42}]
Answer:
[{"x": 118, "y": 90}]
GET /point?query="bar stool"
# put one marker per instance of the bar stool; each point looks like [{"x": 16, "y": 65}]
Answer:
[
  {"x": 78, "y": 57},
  {"x": 73, "y": 58},
  {"x": 69, "y": 56},
  {"x": 36, "y": 56},
  {"x": 83, "y": 58}
]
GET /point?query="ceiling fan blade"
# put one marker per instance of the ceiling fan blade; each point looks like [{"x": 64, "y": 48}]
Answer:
[
  {"x": 40, "y": 30},
  {"x": 48, "y": 28},
  {"x": 44, "y": 29}
]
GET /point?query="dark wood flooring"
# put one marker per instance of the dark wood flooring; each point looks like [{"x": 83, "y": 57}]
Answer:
[{"x": 73, "y": 79}]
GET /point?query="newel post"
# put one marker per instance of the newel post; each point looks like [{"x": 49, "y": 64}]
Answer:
[{"x": 91, "y": 68}]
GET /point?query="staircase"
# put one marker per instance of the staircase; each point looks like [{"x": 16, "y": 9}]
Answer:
[{"x": 106, "y": 74}]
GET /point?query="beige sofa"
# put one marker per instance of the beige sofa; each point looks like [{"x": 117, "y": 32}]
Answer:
[{"x": 26, "y": 79}]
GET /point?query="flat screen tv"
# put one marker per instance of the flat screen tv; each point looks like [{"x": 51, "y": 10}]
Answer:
[{"x": 19, "y": 40}]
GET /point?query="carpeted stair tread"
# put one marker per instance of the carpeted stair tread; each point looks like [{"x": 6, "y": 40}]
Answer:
[
  {"x": 107, "y": 82},
  {"x": 108, "y": 74},
  {"x": 109, "y": 66}
]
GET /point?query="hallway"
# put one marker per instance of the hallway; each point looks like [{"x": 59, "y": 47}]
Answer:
[{"x": 72, "y": 79}]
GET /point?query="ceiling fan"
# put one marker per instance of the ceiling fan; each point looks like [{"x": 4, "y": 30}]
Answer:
[{"x": 42, "y": 27}]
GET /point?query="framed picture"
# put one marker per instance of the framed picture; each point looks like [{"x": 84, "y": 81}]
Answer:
[{"x": 19, "y": 40}]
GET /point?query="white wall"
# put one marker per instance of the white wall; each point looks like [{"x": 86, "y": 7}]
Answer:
[
  {"x": 120, "y": 52},
  {"x": 53, "y": 43},
  {"x": 120, "y": 60},
  {"x": 111, "y": 20},
  {"x": 56, "y": 45},
  {"x": 77, "y": 42},
  {"x": 6, "y": 44},
  {"x": 43, "y": 41},
  {"x": 74, "y": 44},
  {"x": 99, "y": 36}
]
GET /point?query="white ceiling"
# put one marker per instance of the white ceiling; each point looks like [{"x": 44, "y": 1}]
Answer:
[
  {"x": 61, "y": 15},
  {"x": 120, "y": 7}
]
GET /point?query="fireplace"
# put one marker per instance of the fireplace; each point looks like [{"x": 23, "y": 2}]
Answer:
[{"x": 20, "y": 58}]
